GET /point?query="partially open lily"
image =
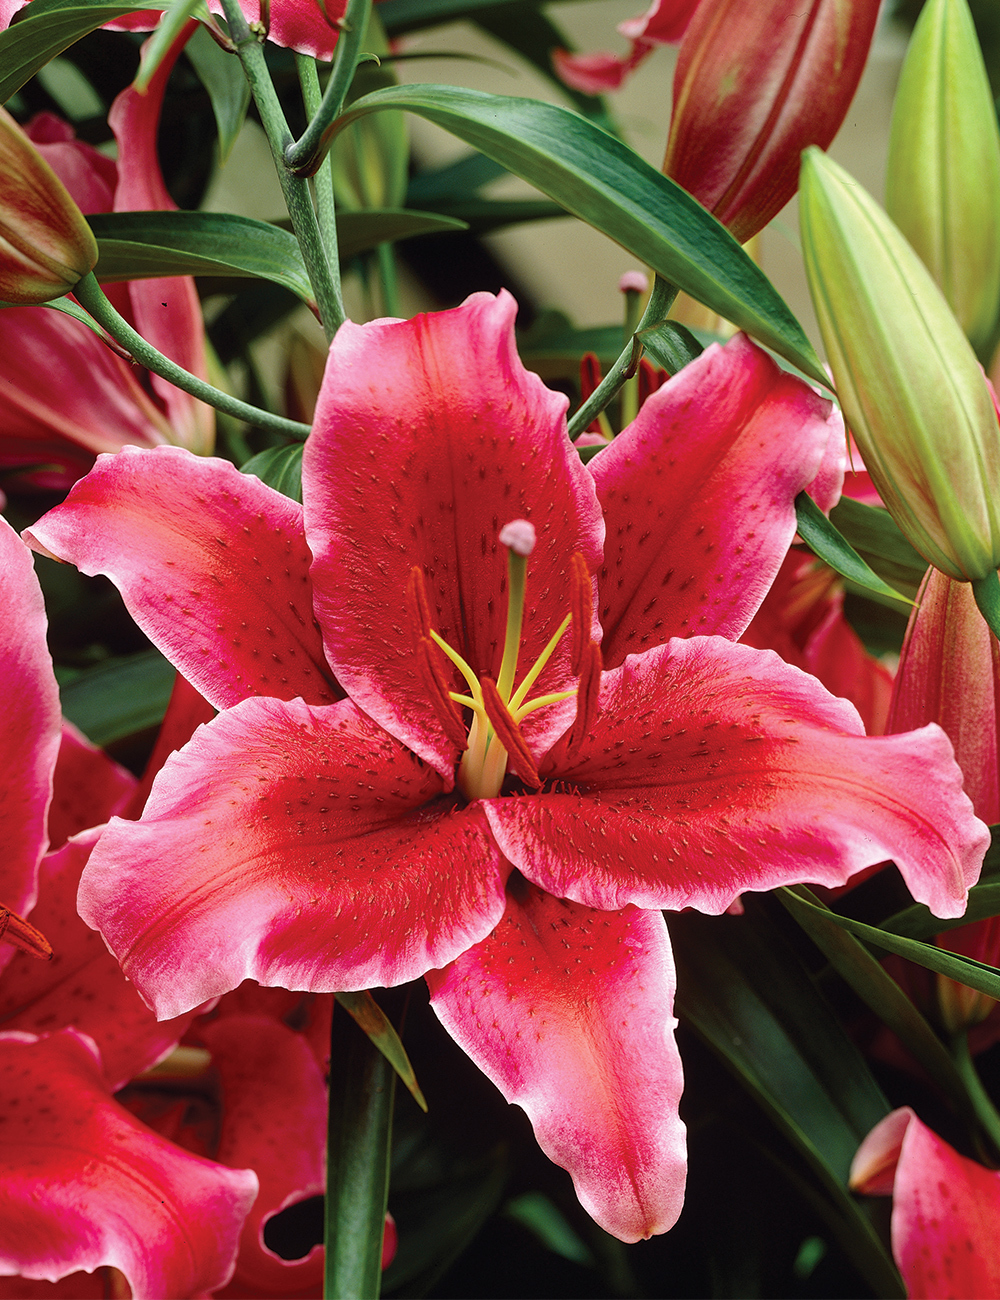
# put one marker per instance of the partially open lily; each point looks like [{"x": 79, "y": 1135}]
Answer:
[{"x": 535, "y": 749}]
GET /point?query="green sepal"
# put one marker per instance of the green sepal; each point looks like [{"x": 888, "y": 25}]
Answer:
[
  {"x": 826, "y": 541},
  {"x": 370, "y": 1017}
]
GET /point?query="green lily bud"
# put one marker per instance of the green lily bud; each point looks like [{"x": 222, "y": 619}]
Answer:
[
  {"x": 943, "y": 181},
  {"x": 46, "y": 246},
  {"x": 909, "y": 383}
]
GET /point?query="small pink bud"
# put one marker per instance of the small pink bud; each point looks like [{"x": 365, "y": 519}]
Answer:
[
  {"x": 46, "y": 246},
  {"x": 519, "y": 535},
  {"x": 634, "y": 282}
]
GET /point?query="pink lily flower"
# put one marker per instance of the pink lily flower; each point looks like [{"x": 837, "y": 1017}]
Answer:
[
  {"x": 520, "y": 862},
  {"x": 82, "y": 1184},
  {"x": 102, "y": 402},
  {"x": 945, "y": 1209},
  {"x": 663, "y": 23}
]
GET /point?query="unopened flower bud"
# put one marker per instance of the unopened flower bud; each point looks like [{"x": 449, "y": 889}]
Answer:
[
  {"x": 943, "y": 178},
  {"x": 755, "y": 84},
  {"x": 46, "y": 246},
  {"x": 909, "y": 383}
]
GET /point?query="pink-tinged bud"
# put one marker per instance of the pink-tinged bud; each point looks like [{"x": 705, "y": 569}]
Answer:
[
  {"x": 46, "y": 246},
  {"x": 755, "y": 84}
]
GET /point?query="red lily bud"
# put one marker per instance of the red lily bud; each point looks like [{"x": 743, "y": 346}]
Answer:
[
  {"x": 46, "y": 246},
  {"x": 755, "y": 84}
]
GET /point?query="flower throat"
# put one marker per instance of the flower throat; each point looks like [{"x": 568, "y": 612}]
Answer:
[{"x": 494, "y": 741}]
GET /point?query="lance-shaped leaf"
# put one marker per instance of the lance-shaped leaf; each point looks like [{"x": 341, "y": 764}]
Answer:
[{"x": 603, "y": 182}]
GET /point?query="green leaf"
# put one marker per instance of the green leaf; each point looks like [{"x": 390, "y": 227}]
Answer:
[
  {"x": 457, "y": 180},
  {"x": 359, "y": 232},
  {"x": 548, "y": 1223},
  {"x": 46, "y": 29},
  {"x": 965, "y": 970},
  {"x": 823, "y": 538},
  {"x": 119, "y": 697},
  {"x": 369, "y": 1016},
  {"x": 280, "y": 468},
  {"x": 145, "y": 245},
  {"x": 228, "y": 89},
  {"x": 875, "y": 986},
  {"x": 671, "y": 346},
  {"x": 484, "y": 215},
  {"x": 603, "y": 182},
  {"x": 744, "y": 990},
  {"x": 875, "y": 535},
  {"x": 172, "y": 22}
]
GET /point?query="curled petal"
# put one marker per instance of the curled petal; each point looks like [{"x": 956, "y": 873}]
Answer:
[
  {"x": 699, "y": 497},
  {"x": 713, "y": 768},
  {"x": 29, "y": 723},
  {"x": 429, "y": 437},
  {"x": 291, "y": 845},
  {"x": 84, "y": 1184},
  {"x": 945, "y": 1209},
  {"x": 212, "y": 565},
  {"x": 569, "y": 1012}
]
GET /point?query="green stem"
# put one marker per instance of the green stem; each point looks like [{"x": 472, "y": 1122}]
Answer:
[
  {"x": 304, "y": 156},
  {"x": 362, "y": 1088},
  {"x": 390, "y": 285},
  {"x": 986, "y": 1112},
  {"x": 91, "y": 296},
  {"x": 987, "y": 593},
  {"x": 630, "y": 389},
  {"x": 660, "y": 301},
  {"x": 326, "y": 208},
  {"x": 297, "y": 192}
]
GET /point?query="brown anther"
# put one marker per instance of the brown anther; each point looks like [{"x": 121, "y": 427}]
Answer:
[
  {"x": 509, "y": 734},
  {"x": 586, "y": 696},
  {"x": 433, "y": 676},
  {"x": 418, "y": 607},
  {"x": 16, "y": 930},
  {"x": 581, "y": 605}
]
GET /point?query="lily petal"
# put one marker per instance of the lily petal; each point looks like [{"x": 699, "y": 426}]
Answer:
[
  {"x": 699, "y": 497},
  {"x": 713, "y": 768},
  {"x": 82, "y": 987},
  {"x": 212, "y": 565},
  {"x": 88, "y": 788},
  {"x": 945, "y": 1209},
  {"x": 29, "y": 724},
  {"x": 290, "y": 845},
  {"x": 84, "y": 1184},
  {"x": 569, "y": 1012},
  {"x": 429, "y": 437}
]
